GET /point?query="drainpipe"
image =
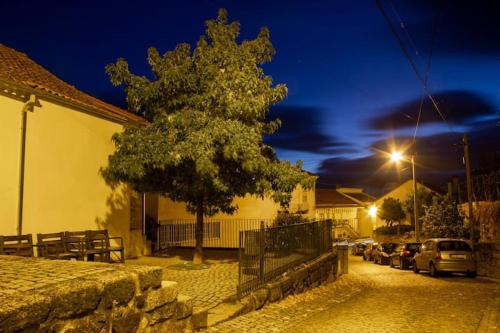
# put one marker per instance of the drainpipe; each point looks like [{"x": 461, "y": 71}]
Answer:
[{"x": 28, "y": 106}]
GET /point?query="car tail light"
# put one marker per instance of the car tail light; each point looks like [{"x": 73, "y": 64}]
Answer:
[
  {"x": 406, "y": 253},
  {"x": 438, "y": 255}
]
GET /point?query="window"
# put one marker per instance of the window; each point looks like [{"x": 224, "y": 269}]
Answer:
[
  {"x": 453, "y": 246},
  {"x": 412, "y": 246}
]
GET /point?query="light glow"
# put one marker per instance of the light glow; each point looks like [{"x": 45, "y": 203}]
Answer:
[
  {"x": 372, "y": 211},
  {"x": 396, "y": 156}
]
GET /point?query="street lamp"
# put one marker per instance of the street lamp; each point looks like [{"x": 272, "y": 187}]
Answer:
[{"x": 396, "y": 157}]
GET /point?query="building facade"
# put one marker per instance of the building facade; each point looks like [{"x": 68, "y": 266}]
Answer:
[
  {"x": 222, "y": 230},
  {"x": 348, "y": 208},
  {"x": 55, "y": 140}
]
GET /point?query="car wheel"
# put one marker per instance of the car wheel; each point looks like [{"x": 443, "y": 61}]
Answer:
[
  {"x": 432, "y": 270},
  {"x": 472, "y": 274},
  {"x": 415, "y": 268}
]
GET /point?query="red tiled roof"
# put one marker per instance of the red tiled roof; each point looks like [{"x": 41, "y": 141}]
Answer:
[
  {"x": 333, "y": 197},
  {"x": 19, "y": 68},
  {"x": 360, "y": 196}
]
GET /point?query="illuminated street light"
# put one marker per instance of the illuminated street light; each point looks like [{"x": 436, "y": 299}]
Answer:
[
  {"x": 372, "y": 211},
  {"x": 396, "y": 157}
]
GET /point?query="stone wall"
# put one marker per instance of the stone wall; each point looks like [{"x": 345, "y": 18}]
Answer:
[
  {"x": 304, "y": 277},
  {"x": 488, "y": 259},
  {"x": 121, "y": 299}
]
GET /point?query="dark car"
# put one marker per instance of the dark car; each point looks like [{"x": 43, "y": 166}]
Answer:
[
  {"x": 403, "y": 255},
  {"x": 382, "y": 253},
  {"x": 368, "y": 252},
  {"x": 358, "y": 249}
]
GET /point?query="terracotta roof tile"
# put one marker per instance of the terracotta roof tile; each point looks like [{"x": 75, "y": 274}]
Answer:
[
  {"x": 19, "y": 68},
  {"x": 363, "y": 197},
  {"x": 333, "y": 198}
]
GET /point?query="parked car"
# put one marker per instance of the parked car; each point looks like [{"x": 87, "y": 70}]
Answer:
[
  {"x": 403, "y": 255},
  {"x": 368, "y": 253},
  {"x": 382, "y": 253},
  {"x": 340, "y": 242},
  {"x": 358, "y": 249},
  {"x": 445, "y": 255}
]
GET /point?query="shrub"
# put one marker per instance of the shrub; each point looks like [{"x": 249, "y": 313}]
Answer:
[
  {"x": 393, "y": 230},
  {"x": 284, "y": 219}
]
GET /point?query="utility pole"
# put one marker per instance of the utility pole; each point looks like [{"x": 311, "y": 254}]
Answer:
[
  {"x": 415, "y": 199},
  {"x": 469, "y": 185}
]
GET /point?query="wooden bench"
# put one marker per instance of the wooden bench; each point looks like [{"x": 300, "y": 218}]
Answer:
[
  {"x": 54, "y": 246},
  {"x": 20, "y": 245},
  {"x": 100, "y": 240},
  {"x": 78, "y": 242}
]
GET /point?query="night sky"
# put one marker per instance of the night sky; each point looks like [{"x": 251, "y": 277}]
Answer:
[{"x": 352, "y": 92}]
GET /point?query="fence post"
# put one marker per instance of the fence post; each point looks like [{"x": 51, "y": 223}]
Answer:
[
  {"x": 319, "y": 232},
  {"x": 158, "y": 226},
  {"x": 240, "y": 255},
  {"x": 262, "y": 246},
  {"x": 343, "y": 257}
]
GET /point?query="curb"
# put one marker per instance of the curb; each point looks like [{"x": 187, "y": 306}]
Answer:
[{"x": 490, "y": 322}]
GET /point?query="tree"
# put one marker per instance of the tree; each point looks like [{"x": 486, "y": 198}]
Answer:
[
  {"x": 392, "y": 211},
  {"x": 424, "y": 199},
  {"x": 443, "y": 219},
  {"x": 206, "y": 111}
]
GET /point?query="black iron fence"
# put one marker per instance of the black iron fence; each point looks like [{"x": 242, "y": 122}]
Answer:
[
  {"x": 266, "y": 253},
  {"x": 217, "y": 233}
]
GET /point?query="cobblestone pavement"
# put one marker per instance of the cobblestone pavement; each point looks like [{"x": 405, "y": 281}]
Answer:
[
  {"x": 373, "y": 298},
  {"x": 19, "y": 274},
  {"x": 207, "y": 287}
]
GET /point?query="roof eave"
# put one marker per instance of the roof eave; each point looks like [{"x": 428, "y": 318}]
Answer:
[{"x": 22, "y": 92}]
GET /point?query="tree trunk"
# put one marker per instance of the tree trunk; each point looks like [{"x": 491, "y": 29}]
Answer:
[
  {"x": 198, "y": 233},
  {"x": 399, "y": 228}
]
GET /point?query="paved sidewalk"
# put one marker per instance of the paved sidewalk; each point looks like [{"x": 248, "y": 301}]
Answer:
[{"x": 207, "y": 287}]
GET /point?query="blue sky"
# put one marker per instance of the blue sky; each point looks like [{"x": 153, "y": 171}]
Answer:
[{"x": 350, "y": 87}]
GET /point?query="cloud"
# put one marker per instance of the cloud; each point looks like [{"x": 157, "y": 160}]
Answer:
[
  {"x": 458, "y": 107},
  {"x": 439, "y": 157},
  {"x": 301, "y": 131}
]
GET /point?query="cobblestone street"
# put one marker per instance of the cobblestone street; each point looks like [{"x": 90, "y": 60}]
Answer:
[
  {"x": 373, "y": 298},
  {"x": 207, "y": 287}
]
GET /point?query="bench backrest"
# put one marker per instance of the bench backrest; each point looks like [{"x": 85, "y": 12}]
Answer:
[
  {"x": 51, "y": 244},
  {"x": 19, "y": 245}
]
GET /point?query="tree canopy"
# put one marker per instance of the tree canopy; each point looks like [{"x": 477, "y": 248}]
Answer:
[
  {"x": 206, "y": 110},
  {"x": 424, "y": 199},
  {"x": 443, "y": 219},
  {"x": 392, "y": 211}
]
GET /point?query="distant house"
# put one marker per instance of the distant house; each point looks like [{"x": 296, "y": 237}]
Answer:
[
  {"x": 222, "y": 230},
  {"x": 349, "y": 208},
  {"x": 401, "y": 192},
  {"x": 54, "y": 140}
]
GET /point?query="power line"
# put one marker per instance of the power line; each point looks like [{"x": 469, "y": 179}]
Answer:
[
  {"x": 427, "y": 73},
  {"x": 403, "y": 26},
  {"x": 412, "y": 63}
]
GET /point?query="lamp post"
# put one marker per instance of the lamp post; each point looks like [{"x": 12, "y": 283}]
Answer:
[{"x": 397, "y": 157}]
